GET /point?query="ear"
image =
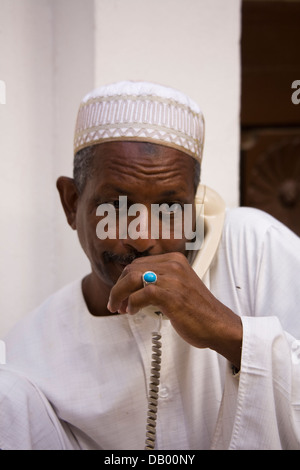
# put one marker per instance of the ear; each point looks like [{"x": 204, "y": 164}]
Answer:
[{"x": 69, "y": 198}]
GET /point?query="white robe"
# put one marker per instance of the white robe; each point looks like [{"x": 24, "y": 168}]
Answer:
[{"x": 94, "y": 371}]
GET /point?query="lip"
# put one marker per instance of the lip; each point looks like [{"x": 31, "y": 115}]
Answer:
[{"x": 123, "y": 259}]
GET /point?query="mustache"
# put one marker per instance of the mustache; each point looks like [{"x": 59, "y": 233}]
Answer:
[{"x": 124, "y": 258}]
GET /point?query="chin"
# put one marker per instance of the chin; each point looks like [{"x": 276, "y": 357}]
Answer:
[{"x": 109, "y": 273}]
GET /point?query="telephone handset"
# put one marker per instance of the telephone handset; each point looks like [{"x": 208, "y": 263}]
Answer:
[
  {"x": 211, "y": 208},
  {"x": 213, "y": 215}
]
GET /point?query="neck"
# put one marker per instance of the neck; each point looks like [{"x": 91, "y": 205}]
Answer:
[{"x": 96, "y": 295}]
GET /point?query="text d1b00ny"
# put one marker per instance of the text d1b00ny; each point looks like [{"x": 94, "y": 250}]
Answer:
[
  {"x": 296, "y": 94},
  {"x": 2, "y": 92}
]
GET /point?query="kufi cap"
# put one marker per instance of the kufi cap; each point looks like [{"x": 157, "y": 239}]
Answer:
[{"x": 140, "y": 111}]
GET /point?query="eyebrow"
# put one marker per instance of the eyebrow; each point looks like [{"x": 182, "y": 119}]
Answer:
[
  {"x": 113, "y": 189},
  {"x": 116, "y": 189},
  {"x": 170, "y": 192}
]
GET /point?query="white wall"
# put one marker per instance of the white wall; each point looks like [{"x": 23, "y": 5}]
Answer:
[
  {"x": 26, "y": 151},
  {"x": 73, "y": 77},
  {"x": 54, "y": 51},
  {"x": 192, "y": 45},
  {"x": 41, "y": 42}
]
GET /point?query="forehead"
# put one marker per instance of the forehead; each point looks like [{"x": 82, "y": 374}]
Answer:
[{"x": 138, "y": 164}]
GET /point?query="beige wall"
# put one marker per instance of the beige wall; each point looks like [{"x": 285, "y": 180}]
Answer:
[
  {"x": 192, "y": 45},
  {"x": 54, "y": 51},
  {"x": 40, "y": 42}
]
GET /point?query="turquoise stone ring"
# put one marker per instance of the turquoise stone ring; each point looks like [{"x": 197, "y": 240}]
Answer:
[{"x": 149, "y": 277}]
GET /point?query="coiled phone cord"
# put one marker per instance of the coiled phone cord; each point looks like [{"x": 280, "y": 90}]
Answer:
[{"x": 153, "y": 388}]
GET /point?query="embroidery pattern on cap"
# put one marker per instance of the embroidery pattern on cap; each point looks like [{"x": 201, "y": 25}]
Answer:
[{"x": 149, "y": 118}]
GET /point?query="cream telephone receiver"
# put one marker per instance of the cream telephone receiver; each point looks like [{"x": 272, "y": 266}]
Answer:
[{"x": 211, "y": 212}]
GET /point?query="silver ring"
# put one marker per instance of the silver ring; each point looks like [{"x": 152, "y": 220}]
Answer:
[{"x": 149, "y": 277}]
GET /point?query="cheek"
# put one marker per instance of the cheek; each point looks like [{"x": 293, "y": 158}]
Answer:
[
  {"x": 182, "y": 232},
  {"x": 86, "y": 229},
  {"x": 91, "y": 242},
  {"x": 173, "y": 245}
]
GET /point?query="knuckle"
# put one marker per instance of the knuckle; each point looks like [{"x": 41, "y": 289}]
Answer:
[
  {"x": 176, "y": 266},
  {"x": 130, "y": 271},
  {"x": 178, "y": 262},
  {"x": 132, "y": 276},
  {"x": 179, "y": 256},
  {"x": 127, "y": 269}
]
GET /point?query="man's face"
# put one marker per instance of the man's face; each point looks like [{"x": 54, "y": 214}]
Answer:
[{"x": 156, "y": 176}]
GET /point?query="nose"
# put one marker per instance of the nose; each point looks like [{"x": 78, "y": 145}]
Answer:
[
  {"x": 140, "y": 245},
  {"x": 139, "y": 232}
]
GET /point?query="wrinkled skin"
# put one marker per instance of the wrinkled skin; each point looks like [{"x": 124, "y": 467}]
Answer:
[{"x": 115, "y": 282}]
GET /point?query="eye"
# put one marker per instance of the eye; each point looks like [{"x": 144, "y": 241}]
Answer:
[
  {"x": 119, "y": 203},
  {"x": 115, "y": 203}
]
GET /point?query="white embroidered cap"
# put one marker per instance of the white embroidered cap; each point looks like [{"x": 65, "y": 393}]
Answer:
[{"x": 140, "y": 111}]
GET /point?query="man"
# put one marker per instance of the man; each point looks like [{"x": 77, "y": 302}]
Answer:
[{"x": 226, "y": 310}]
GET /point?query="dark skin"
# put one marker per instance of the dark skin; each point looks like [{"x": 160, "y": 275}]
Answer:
[{"x": 115, "y": 282}]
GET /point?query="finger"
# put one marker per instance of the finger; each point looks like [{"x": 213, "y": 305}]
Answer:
[
  {"x": 150, "y": 295},
  {"x": 163, "y": 296},
  {"x": 125, "y": 286},
  {"x": 144, "y": 262},
  {"x": 131, "y": 277},
  {"x": 130, "y": 283},
  {"x": 123, "y": 307}
]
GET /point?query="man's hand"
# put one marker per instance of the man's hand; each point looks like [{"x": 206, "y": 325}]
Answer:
[{"x": 197, "y": 316}]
